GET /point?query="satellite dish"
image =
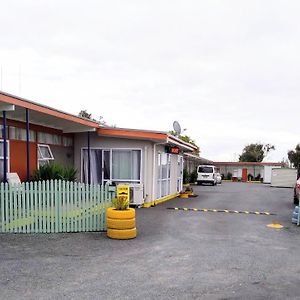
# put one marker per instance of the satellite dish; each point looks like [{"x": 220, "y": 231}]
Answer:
[{"x": 177, "y": 127}]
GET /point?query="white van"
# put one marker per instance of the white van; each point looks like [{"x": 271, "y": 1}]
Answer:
[{"x": 207, "y": 174}]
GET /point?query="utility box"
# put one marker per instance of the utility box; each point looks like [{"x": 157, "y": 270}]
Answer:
[
  {"x": 136, "y": 194},
  {"x": 284, "y": 177}
]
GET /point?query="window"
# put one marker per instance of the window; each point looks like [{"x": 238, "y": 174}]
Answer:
[
  {"x": 95, "y": 165},
  {"x": 205, "y": 170},
  {"x": 67, "y": 141},
  {"x": 44, "y": 154},
  {"x": 20, "y": 134},
  {"x": 163, "y": 174},
  {"x": 118, "y": 165},
  {"x": 2, "y": 159},
  {"x": 126, "y": 165},
  {"x": 1, "y": 131},
  {"x": 47, "y": 138}
]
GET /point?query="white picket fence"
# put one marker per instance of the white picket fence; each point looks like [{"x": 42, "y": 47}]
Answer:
[{"x": 54, "y": 206}]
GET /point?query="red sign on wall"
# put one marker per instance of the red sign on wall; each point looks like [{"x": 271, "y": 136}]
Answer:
[{"x": 173, "y": 150}]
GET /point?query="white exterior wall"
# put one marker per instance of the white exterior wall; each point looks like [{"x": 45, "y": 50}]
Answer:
[
  {"x": 147, "y": 147},
  {"x": 284, "y": 177},
  {"x": 268, "y": 173}
]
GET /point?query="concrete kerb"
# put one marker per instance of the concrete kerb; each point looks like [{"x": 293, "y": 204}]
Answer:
[{"x": 159, "y": 201}]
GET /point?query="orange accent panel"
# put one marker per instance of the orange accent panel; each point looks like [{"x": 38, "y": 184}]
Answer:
[
  {"x": 18, "y": 158},
  {"x": 132, "y": 134},
  {"x": 46, "y": 110},
  {"x": 245, "y": 175}
]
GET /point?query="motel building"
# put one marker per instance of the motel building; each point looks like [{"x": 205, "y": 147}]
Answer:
[{"x": 150, "y": 162}]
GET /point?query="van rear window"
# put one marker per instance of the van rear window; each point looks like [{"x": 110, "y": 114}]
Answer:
[{"x": 205, "y": 170}]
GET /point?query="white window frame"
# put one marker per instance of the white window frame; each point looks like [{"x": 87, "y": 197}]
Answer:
[
  {"x": 8, "y": 154},
  {"x": 40, "y": 155},
  {"x": 111, "y": 179}
]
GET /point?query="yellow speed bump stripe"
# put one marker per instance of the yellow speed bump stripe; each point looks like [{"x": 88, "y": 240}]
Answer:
[{"x": 265, "y": 213}]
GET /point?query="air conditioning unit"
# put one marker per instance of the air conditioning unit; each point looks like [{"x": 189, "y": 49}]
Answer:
[{"x": 136, "y": 194}]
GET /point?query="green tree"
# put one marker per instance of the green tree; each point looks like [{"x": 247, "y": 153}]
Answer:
[
  {"x": 85, "y": 115},
  {"x": 294, "y": 156},
  {"x": 255, "y": 152},
  {"x": 187, "y": 139}
]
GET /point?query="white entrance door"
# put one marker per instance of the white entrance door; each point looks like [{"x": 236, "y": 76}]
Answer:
[
  {"x": 179, "y": 174},
  {"x": 163, "y": 175}
]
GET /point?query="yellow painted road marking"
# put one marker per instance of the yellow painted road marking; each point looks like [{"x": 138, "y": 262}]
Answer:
[
  {"x": 223, "y": 211},
  {"x": 275, "y": 226}
]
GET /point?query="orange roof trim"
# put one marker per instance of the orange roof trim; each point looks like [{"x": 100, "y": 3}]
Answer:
[
  {"x": 10, "y": 99},
  {"x": 132, "y": 134}
]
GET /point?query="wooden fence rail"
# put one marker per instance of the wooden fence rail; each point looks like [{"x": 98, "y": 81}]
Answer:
[{"x": 53, "y": 206}]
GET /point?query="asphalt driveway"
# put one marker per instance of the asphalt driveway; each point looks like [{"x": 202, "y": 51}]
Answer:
[{"x": 177, "y": 254}]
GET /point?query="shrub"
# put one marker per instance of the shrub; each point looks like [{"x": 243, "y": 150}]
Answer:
[
  {"x": 229, "y": 176},
  {"x": 186, "y": 176},
  {"x": 121, "y": 203},
  {"x": 258, "y": 177},
  {"x": 52, "y": 171},
  {"x": 193, "y": 176}
]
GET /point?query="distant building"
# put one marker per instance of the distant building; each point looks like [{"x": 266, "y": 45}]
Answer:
[{"x": 248, "y": 170}]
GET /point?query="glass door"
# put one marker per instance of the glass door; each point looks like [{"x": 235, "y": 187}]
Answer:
[
  {"x": 179, "y": 174},
  {"x": 163, "y": 175}
]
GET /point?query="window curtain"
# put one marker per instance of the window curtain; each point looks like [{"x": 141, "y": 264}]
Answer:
[
  {"x": 95, "y": 165},
  {"x": 1, "y": 170},
  {"x": 47, "y": 138},
  {"x": 121, "y": 164},
  {"x": 136, "y": 165},
  {"x": 126, "y": 164},
  {"x": 1, "y": 150},
  {"x": 20, "y": 134},
  {"x": 1, "y": 161},
  {"x": 106, "y": 165}
]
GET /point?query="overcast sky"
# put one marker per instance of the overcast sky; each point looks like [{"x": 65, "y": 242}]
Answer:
[{"x": 227, "y": 70}]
